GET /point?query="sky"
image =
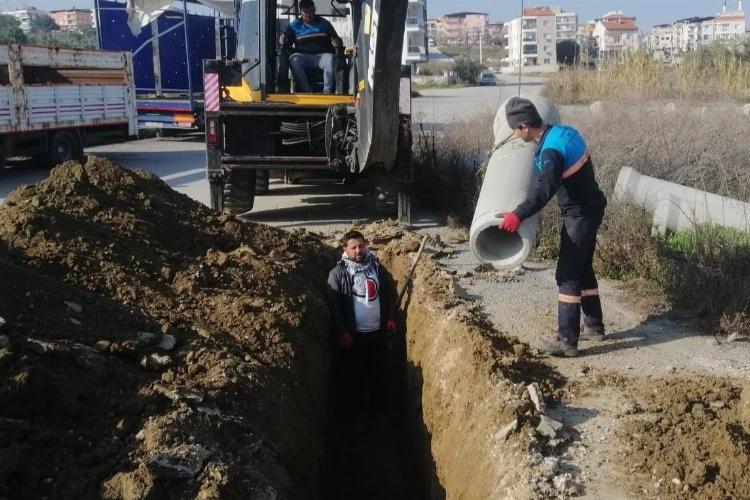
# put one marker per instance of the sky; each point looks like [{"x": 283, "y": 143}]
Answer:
[{"x": 647, "y": 12}]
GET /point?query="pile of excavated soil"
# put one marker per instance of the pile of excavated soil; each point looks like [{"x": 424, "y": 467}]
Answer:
[
  {"x": 689, "y": 438},
  {"x": 154, "y": 349}
]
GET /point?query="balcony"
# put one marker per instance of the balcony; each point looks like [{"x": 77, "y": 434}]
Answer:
[
  {"x": 415, "y": 53},
  {"x": 414, "y": 23}
]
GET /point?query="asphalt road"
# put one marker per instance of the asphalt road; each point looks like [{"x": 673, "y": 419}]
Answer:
[{"x": 322, "y": 206}]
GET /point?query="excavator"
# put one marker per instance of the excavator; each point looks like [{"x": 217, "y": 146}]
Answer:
[{"x": 258, "y": 128}]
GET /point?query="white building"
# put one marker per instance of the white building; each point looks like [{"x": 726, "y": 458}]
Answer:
[
  {"x": 532, "y": 39},
  {"x": 415, "y": 33},
  {"x": 661, "y": 42},
  {"x": 687, "y": 34},
  {"x": 25, "y": 16},
  {"x": 566, "y": 25},
  {"x": 668, "y": 41},
  {"x": 616, "y": 34},
  {"x": 727, "y": 28}
]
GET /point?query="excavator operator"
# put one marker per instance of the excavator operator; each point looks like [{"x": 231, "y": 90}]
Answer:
[{"x": 313, "y": 41}]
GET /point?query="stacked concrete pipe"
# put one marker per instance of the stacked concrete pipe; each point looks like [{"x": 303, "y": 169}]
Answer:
[
  {"x": 677, "y": 207},
  {"x": 507, "y": 182}
]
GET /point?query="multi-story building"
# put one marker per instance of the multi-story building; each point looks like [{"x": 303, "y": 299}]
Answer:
[
  {"x": 433, "y": 29},
  {"x": 668, "y": 41},
  {"x": 532, "y": 39},
  {"x": 415, "y": 33},
  {"x": 451, "y": 31},
  {"x": 616, "y": 34},
  {"x": 25, "y": 16},
  {"x": 464, "y": 27},
  {"x": 495, "y": 33},
  {"x": 661, "y": 42},
  {"x": 686, "y": 34},
  {"x": 566, "y": 24},
  {"x": 73, "y": 19},
  {"x": 727, "y": 28}
]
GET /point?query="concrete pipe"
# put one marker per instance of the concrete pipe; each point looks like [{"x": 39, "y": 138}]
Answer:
[
  {"x": 633, "y": 187},
  {"x": 677, "y": 215},
  {"x": 506, "y": 184}
]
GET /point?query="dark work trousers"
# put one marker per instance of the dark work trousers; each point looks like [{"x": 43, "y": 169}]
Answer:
[
  {"x": 362, "y": 373},
  {"x": 578, "y": 288}
]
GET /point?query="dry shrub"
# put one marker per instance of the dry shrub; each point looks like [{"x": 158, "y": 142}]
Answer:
[
  {"x": 447, "y": 164},
  {"x": 716, "y": 72},
  {"x": 703, "y": 147},
  {"x": 625, "y": 248},
  {"x": 708, "y": 270}
]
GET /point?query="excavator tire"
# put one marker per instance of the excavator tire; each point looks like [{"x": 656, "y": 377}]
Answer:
[
  {"x": 261, "y": 182},
  {"x": 239, "y": 191}
]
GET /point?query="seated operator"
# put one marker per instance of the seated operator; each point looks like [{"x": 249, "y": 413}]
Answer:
[{"x": 313, "y": 40}]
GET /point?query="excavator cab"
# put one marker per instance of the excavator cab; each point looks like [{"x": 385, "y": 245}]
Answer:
[{"x": 259, "y": 126}]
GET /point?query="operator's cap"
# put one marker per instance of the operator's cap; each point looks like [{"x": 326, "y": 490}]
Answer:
[{"x": 519, "y": 111}]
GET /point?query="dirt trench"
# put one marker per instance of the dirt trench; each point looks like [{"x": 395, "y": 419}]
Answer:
[{"x": 153, "y": 349}]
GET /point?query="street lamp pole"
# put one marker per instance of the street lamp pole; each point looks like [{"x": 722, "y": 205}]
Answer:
[{"x": 520, "y": 49}]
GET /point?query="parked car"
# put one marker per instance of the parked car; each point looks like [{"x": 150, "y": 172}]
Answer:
[{"x": 487, "y": 78}]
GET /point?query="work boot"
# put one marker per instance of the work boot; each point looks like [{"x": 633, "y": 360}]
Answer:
[
  {"x": 589, "y": 334},
  {"x": 556, "y": 347}
]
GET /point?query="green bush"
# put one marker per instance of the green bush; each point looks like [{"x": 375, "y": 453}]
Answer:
[{"x": 708, "y": 270}]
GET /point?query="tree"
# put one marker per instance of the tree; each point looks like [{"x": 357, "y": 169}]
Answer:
[
  {"x": 568, "y": 52},
  {"x": 66, "y": 39},
  {"x": 10, "y": 30},
  {"x": 466, "y": 69},
  {"x": 43, "y": 23}
]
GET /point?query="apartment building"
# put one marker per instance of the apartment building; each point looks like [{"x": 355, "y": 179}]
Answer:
[
  {"x": 616, "y": 34},
  {"x": 566, "y": 24},
  {"x": 73, "y": 19},
  {"x": 668, "y": 41},
  {"x": 727, "y": 28},
  {"x": 415, "y": 33},
  {"x": 25, "y": 16},
  {"x": 532, "y": 39},
  {"x": 463, "y": 27},
  {"x": 661, "y": 42}
]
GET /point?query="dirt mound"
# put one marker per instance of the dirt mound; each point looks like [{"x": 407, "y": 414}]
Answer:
[
  {"x": 153, "y": 348},
  {"x": 687, "y": 439}
]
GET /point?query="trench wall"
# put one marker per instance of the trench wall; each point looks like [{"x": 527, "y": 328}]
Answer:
[{"x": 464, "y": 388}]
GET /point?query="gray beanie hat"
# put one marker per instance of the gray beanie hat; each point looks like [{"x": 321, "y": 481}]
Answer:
[{"x": 519, "y": 111}]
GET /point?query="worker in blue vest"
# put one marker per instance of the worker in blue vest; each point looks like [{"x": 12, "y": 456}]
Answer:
[
  {"x": 313, "y": 40},
  {"x": 564, "y": 168}
]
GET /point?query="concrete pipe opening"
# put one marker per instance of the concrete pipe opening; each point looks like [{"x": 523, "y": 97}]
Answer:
[{"x": 499, "y": 247}]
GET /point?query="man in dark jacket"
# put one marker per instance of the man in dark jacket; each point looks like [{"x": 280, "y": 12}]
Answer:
[
  {"x": 314, "y": 41},
  {"x": 565, "y": 168},
  {"x": 362, "y": 301}
]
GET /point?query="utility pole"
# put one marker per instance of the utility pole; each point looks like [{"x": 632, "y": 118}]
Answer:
[{"x": 480, "y": 46}]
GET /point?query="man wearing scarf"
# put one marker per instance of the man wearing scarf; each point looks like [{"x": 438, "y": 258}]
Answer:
[{"x": 362, "y": 300}]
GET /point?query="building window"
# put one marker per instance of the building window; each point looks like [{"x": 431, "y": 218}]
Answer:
[
  {"x": 546, "y": 61},
  {"x": 545, "y": 22}
]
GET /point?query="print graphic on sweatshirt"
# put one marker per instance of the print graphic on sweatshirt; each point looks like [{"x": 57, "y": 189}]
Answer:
[{"x": 370, "y": 290}]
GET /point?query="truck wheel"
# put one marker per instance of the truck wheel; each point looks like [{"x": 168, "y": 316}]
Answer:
[
  {"x": 239, "y": 191},
  {"x": 2, "y": 158},
  {"x": 261, "y": 182},
  {"x": 64, "y": 147}
]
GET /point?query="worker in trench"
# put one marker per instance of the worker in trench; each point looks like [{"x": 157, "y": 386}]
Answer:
[
  {"x": 564, "y": 168},
  {"x": 362, "y": 301}
]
